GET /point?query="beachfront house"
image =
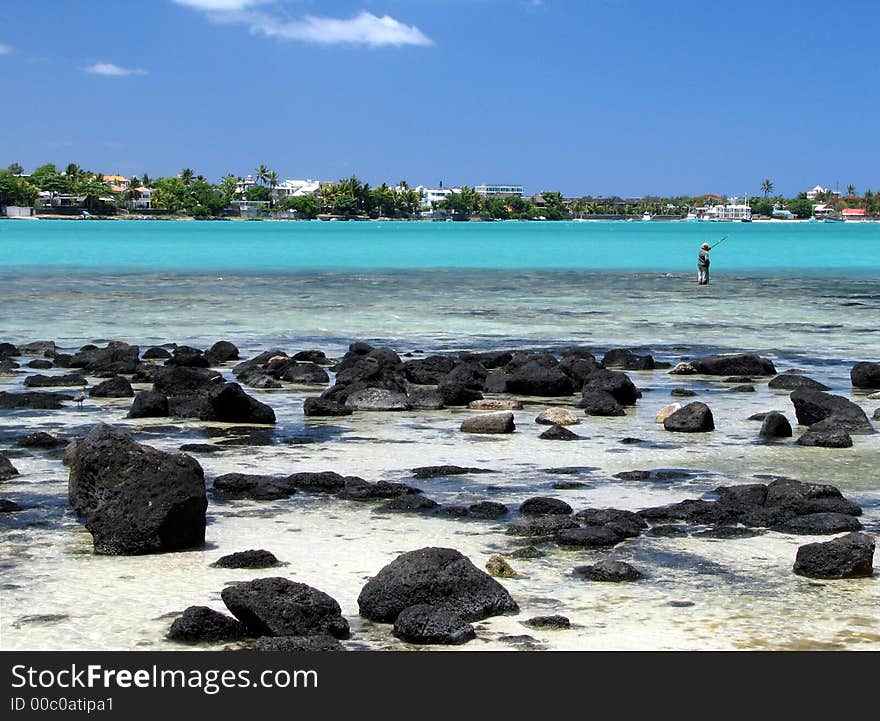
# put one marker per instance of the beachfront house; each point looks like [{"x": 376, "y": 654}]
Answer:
[
  {"x": 494, "y": 190},
  {"x": 295, "y": 189},
  {"x": 817, "y": 191},
  {"x": 852, "y": 214}
]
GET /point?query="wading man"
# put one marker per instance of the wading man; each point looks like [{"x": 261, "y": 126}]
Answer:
[{"x": 703, "y": 265}]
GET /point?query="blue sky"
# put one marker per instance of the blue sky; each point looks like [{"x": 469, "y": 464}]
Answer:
[{"x": 590, "y": 97}]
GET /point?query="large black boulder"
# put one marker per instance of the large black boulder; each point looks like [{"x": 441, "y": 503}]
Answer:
[
  {"x": 187, "y": 357},
  {"x": 589, "y": 537},
  {"x": 135, "y": 499},
  {"x": 865, "y": 374},
  {"x": 439, "y": 577},
  {"x": 825, "y": 438},
  {"x": 695, "y": 417},
  {"x": 149, "y": 404},
  {"x": 458, "y": 393},
  {"x": 425, "y": 623},
  {"x": 202, "y": 624},
  {"x": 317, "y": 482},
  {"x": 775, "y": 425},
  {"x": 547, "y": 525},
  {"x": 536, "y": 379},
  {"x": 226, "y": 403},
  {"x": 221, "y": 352},
  {"x": 627, "y": 523},
  {"x": 793, "y": 381},
  {"x": 324, "y": 407},
  {"x": 616, "y": 383},
  {"x": 304, "y": 373},
  {"x": 430, "y": 370},
  {"x": 39, "y": 439},
  {"x": 34, "y": 400},
  {"x": 741, "y": 364},
  {"x": 541, "y": 506},
  {"x": 115, "y": 387},
  {"x": 117, "y": 357},
  {"x": 60, "y": 381},
  {"x": 817, "y": 524},
  {"x": 600, "y": 403},
  {"x": 812, "y": 407},
  {"x": 850, "y": 556},
  {"x": 278, "y": 607},
  {"x": 184, "y": 380}
]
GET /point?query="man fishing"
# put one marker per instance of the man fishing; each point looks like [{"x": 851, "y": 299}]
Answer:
[{"x": 703, "y": 262}]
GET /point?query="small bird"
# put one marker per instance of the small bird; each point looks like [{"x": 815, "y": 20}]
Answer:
[{"x": 79, "y": 398}]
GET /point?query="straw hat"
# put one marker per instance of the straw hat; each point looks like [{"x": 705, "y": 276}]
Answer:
[{"x": 705, "y": 246}]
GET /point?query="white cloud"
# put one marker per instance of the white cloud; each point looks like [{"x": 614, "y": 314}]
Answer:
[
  {"x": 362, "y": 29},
  {"x": 112, "y": 70},
  {"x": 220, "y": 5},
  {"x": 5, "y": 49}
]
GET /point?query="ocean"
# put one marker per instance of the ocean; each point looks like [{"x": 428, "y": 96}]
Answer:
[{"x": 805, "y": 295}]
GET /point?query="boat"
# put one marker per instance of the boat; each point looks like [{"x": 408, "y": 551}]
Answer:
[
  {"x": 646, "y": 215},
  {"x": 691, "y": 217},
  {"x": 832, "y": 218}
]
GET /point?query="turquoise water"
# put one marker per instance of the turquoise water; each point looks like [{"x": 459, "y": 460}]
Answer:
[{"x": 849, "y": 250}]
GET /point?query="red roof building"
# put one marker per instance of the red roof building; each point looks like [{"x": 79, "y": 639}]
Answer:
[{"x": 853, "y": 212}]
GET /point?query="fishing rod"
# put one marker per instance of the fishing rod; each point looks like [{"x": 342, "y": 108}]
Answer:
[{"x": 718, "y": 243}]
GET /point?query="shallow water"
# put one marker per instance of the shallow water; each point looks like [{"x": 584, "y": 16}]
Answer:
[{"x": 56, "y": 594}]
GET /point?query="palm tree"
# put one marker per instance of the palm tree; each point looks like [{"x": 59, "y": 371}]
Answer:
[
  {"x": 145, "y": 180},
  {"x": 272, "y": 180},
  {"x": 132, "y": 193},
  {"x": 850, "y": 191},
  {"x": 73, "y": 171},
  {"x": 262, "y": 174},
  {"x": 767, "y": 188},
  {"x": 186, "y": 175}
]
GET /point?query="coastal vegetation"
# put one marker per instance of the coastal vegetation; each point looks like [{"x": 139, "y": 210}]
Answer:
[{"x": 73, "y": 189}]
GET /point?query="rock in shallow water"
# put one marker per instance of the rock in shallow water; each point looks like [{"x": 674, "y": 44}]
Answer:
[
  {"x": 559, "y": 433},
  {"x": 424, "y": 623},
  {"x": 775, "y": 425},
  {"x": 541, "y": 506},
  {"x": 247, "y": 559},
  {"x": 812, "y": 407},
  {"x": 547, "y": 622},
  {"x": 136, "y": 499},
  {"x": 439, "y": 577},
  {"x": 693, "y": 418},
  {"x": 489, "y": 423},
  {"x": 815, "y": 524},
  {"x": 202, "y": 624},
  {"x": 39, "y": 439},
  {"x": 865, "y": 375},
  {"x": 115, "y": 387},
  {"x": 850, "y": 556},
  {"x": 825, "y": 439},
  {"x": 498, "y": 567},
  {"x": 557, "y": 417},
  {"x": 609, "y": 571},
  {"x": 278, "y": 607}
]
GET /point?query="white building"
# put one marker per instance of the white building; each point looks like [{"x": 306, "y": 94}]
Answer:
[
  {"x": 499, "y": 189},
  {"x": 295, "y": 188},
  {"x": 242, "y": 186},
  {"x": 818, "y": 190},
  {"x": 432, "y": 197},
  {"x": 733, "y": 210}
]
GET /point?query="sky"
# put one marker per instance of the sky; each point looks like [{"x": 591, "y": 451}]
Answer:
[{"x": 598, "y": 97}]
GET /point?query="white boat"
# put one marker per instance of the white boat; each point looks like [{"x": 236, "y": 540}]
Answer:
[
  {"x": 646, "y": 215},
  {"x": 691, "y": 217}
]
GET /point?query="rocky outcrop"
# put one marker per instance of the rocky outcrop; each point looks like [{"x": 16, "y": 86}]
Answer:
[
  {"x": 222, "y": 352},
  {"x": 589, "y": 537},
  {"x": 278, "y": 607},
  {"x": 200, "y": 624},
  {"x": 438, "y": 577},
  {"x": 324, "y": 407},
  {"x": 626, "y": 523},
  {"x": 488, "y": 510},
  {"x": 534, "y": 526},
  {"x": 188, "y": 357},
  {"x": 116, "y": 357},
  {"x": 812, "y": 407},
  {"x": 39, "y": 439},
  {"x": 818, "y": 524},
  {"x": 149, "y": 404},
  {"x": 489, "y": 423},
  {"x": 850, "y": 556},
  {"x": 317, "y": 482},
  {"x": 535, "y": 379},
  {"x": 695, "y": 417},
  {"x": 34, "y": 400},
  {"x": 740, "y": 364},
  {"x": 865, "y": 375},
  {"x": 135, "y": 499},
  {"x": 430, "y": 370},
  {"x": 444, "y": 471},
  {"x": 547, "y": 622}
]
